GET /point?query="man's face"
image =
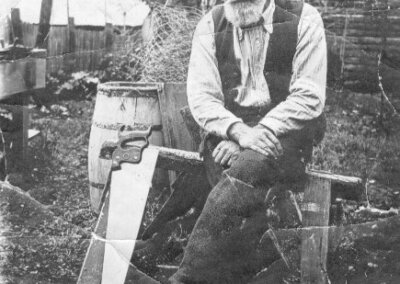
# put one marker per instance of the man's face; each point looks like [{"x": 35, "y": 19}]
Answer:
[{"x": 243, "y": 12}]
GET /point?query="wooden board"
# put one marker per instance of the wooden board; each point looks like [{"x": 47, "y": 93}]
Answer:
[
  {"x": 22, "y": 75},
  {"x": 172, "y": 99},
  {"x": 16, "y": 137},
  {"x": 314, "y": 244},
  {"x": 129, "y": 189}
]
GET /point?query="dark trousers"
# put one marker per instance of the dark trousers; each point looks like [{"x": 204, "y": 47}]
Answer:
[{"x": 224, "y": 246}]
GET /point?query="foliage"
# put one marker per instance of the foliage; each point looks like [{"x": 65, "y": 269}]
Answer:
[
  {"x": 53, "y": 252},
  {"x": 76, "y": 85},
  {"x": 119, "y": 67},
  {"x": 361, "y": 142},
  {"x": 82, "y": 84}
]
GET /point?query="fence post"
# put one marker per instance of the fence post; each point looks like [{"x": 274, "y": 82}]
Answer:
[
  {"x": 44, "y": 23},
  {"x": 109, "y": 38},
  {"x": 69, "y": 59},
  {"x": 71, "y": 35},
  {"x": 16, "y": 26}
]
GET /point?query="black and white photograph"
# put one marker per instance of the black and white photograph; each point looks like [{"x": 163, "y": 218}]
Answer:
[{"x": 200, "y": 141}]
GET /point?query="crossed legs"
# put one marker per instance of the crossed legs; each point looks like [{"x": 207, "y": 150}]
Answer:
[{"x": 224, "y": 244}]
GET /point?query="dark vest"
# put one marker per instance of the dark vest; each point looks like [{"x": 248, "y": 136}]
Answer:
[{"x": 280, "y": 52}]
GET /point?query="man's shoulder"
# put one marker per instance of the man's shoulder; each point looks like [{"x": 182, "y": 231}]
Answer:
[
  {"x": 206, "y": 25},
  {"x": 217, "y": 13},
  {"x": 311, "y": 13},
  {"x": 213, "y": 18}
]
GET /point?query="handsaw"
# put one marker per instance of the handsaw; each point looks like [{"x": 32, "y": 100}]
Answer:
[{"x": 133, "y": 165}]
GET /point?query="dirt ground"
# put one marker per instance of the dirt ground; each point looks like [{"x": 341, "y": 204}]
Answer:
[{"x": 51, "y": 250}]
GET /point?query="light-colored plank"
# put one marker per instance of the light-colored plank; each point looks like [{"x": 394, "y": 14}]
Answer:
[
  {"x": 172, "y": 99},
  {"x": 128, "y": 195},
  {"x": 314, "y": 245}
]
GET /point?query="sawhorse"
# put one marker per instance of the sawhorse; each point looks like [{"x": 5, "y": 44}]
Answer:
[{"x": 319, "y": 191}]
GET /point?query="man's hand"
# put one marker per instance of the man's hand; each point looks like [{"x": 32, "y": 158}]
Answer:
[
  {"x": 226, "y": 152},
  {"x": 258, "y": 138}
]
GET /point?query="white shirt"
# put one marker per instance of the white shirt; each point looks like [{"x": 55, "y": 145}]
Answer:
[{"x": 307, "y": 86}]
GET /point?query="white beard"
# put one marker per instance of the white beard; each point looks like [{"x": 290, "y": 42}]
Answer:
[{"x": 244, "y": 13}]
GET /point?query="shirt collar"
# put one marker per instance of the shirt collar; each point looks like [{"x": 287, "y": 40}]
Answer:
[{"x": 268, "y": 16}]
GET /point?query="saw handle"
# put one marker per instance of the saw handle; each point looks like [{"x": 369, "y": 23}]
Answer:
[{"x": 130, "y": 153}]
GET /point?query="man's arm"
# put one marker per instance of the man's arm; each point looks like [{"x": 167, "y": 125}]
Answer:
[
  {"x": 206, "y": 101},
  {"x": 308, "y": 83},
  {"x": 204, "y": 88}
]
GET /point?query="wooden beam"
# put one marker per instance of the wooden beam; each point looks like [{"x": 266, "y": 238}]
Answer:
[
  {"x": 186, "y": 161},
  {"x": 109, "y": 37},
  {"x": 314, "y": 244},
  {"x": 345, "y": 187},
  {"x": 374, "y": 233},
  {"x": 71, "y": 35},
  {"x": 44, "y": 23},
  {"x": 16, "y": 26},
  {"x": 169, "y": 159}
]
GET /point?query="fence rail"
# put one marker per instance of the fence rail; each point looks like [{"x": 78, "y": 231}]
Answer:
[
  {"x": 78, "y": 48},
  {"x": 357, "y": 33}
]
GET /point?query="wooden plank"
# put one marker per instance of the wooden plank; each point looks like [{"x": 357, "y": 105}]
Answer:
[
  {"x": 314, "y": 246},
  {"x": 172, "y": 99},
  {"x": 129, "y": 189},
  {"x": 380, "y": 231},
  {"x": 109, "y": 38},
  {"x": 16, "y": 137},
  {"x": 22, "y": 75},
  {"x": 71, "y": 35},
  {"x": 179, "y": 160},
  {"x": 170, "y": 159},
  {"x": 16, "y": 26},
  {"x": 29, "y": 32},
  {"x": 44, "y": 23}
]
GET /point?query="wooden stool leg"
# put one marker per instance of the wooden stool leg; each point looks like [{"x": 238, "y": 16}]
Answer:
[{"x": 314, "y": 245}]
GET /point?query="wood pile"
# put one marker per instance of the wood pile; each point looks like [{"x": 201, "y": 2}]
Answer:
[{"x": 357, "y": 33}]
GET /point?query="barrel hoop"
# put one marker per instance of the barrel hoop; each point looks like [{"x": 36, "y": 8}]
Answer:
[
  {"x": 97, "y": 185},
  {"x": 130, "y": 86},
  {"x": 128, "y": 93},
  {"x": 117, "y": 126}
]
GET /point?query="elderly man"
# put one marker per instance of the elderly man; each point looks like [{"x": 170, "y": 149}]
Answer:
[{"x": 256, "y": 86}]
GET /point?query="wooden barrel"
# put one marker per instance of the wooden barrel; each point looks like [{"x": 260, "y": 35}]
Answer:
[{"x": 134, "y": 105}]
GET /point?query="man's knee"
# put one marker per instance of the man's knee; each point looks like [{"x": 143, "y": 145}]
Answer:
[{"x": 252, "y": 168}]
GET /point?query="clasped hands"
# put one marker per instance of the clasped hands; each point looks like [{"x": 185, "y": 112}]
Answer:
[{"x": 258, "y": 138}]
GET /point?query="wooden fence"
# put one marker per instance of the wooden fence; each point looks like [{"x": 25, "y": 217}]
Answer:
[
  {"x": 79, "y": 48},
  {"x": 357, "y": 33}
]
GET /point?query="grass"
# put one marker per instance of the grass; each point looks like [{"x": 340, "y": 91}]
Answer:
[
  {"x": 358, "y": 144},
  {"x": 355, "y": 144}
]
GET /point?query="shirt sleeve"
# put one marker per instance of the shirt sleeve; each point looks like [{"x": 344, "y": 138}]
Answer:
[
  {"x": 308, "y": 82},
  {"x": 204, "y": 88}
]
